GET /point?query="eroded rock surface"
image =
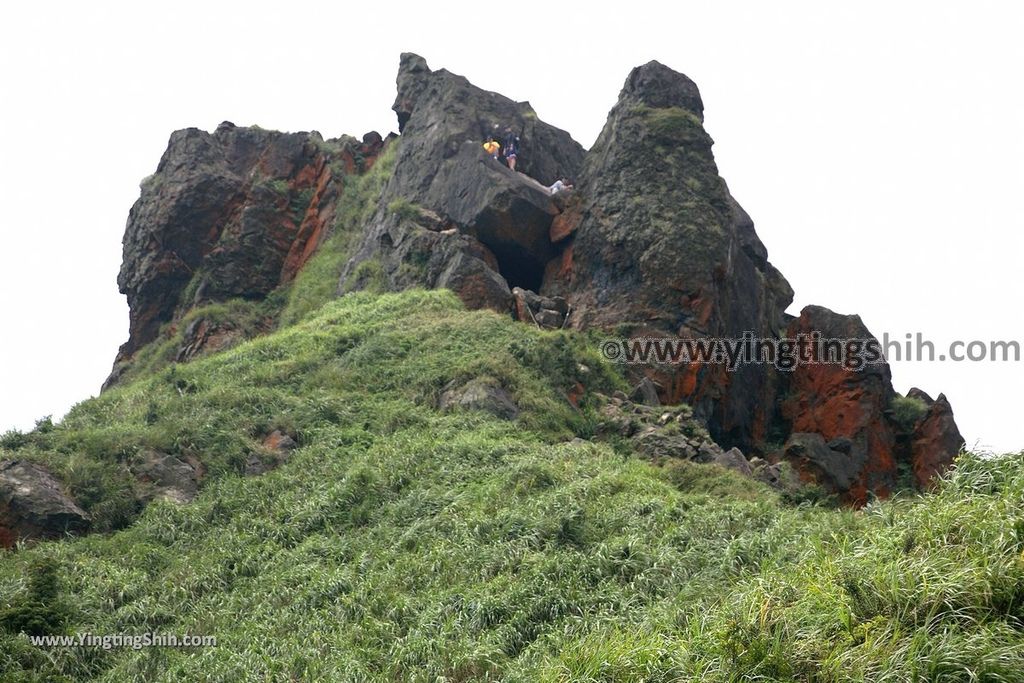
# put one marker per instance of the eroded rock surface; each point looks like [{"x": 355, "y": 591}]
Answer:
[
  {"x": 230, "y": 214},
  {"x": 655, "y": 241},
  {"x": 482, "y": 393},
  {"x": 502, "y": 219},
  {"x": 33, "y": 505}
]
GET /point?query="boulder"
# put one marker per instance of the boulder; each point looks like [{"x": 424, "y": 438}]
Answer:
[
  {"x": 656, "y": 444},
  {"x": 708, "y": 451},
  {"x": 545, "y": 312},
  {"x": 645, "y": 392},
  {"x": 767, "y": 473},
  {"x": 476, "y": 283},
  {"x": 33, "y": 505},
  {"x": 734, "y": 459},
  {"x": 482, "y": 393},
  {"x": 163, "y": 476},
  {"x": 817, "y": 462}
]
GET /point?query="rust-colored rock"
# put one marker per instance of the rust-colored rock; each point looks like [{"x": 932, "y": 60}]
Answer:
[
  {"x": 847, "y": 409},
  {"x": 936, "y": 440},
  {"x": 568, "y": 220}
]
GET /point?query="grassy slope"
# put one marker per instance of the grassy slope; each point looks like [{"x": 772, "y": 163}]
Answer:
[{"x": 403, "y": 544}]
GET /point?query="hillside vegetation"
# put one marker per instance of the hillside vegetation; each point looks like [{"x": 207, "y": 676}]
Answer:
[{"x": 402, "y": 543}]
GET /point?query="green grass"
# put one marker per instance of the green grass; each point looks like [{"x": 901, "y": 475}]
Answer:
[
  {"x": 401, "y": 543},
  {"x": 404, "y": 209},
  {"x": 248, "y": 318},
  {"x": 672, "y": 123},
  {"x": 907, "y": 410}
]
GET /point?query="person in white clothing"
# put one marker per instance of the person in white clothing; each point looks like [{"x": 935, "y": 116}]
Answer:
[{"x": 559, "y": 185}]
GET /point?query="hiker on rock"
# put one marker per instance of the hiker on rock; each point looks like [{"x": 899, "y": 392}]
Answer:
[
  {"x": 511, "y": 148},
  {"x": 492, "y": 147}
]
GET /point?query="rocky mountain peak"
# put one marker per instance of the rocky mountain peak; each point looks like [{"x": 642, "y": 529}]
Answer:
[
  {"x": 656, "y": 85},
  {"x": 412, "y": 78},
  {"x": 650, "y": 243}
]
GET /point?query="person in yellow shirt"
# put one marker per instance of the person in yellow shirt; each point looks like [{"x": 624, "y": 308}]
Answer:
[{"x": 492, "y": 147}]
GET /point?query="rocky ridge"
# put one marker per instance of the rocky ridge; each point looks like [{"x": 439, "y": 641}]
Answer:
[{"x": 650, "y": 243}]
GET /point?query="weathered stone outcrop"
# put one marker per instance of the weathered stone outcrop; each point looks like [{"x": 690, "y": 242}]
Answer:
[
  {"x": 837, "y": 465},
  {"x": 844, "y": 435},
  {"x": 502, "y": 218},
  {"x": 438, "y": 111},
  {"x": 936, "y": 440},
  {"x": 481, "y": 393},
  {"x": 845, "y": 407},
  {"x": 33, "y": 505},
  {"x": 549, "y": 313},
  {"x": 162, "y": 476},
  {"x": 655, "y": 241},
  {"x": 232, "y": 214}
]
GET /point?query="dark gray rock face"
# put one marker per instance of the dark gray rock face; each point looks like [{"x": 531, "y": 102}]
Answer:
[
  {"x": 657, "y": 445},
  {"x": 646, "y": 392},
  {"x": 211, "y": 205},
  {"x": 548, "y": 313},
  {"x": 838, "y": 470},
  {"x": 502, "y": 217},
  {"x": 233, "y": 214},
  {"x": 658, "y": 242},
  {"x": 733, "y": 459},
  {"x": 438, "y": 111},
  {"x": 33, "y": 505}
]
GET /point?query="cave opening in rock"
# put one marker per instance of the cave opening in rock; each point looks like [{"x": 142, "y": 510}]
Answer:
[{"x": 520, "y": 268}]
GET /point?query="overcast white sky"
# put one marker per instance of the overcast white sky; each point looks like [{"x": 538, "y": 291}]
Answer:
[{"x": 878, "y": 147}]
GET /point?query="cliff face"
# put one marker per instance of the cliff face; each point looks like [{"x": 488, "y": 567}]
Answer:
[
  {"x": 233, "y": 214},
  {"x": 470, "y": 224},
  {"x": 650, "y": 242},
  {"x": 659, "y": 244}
]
